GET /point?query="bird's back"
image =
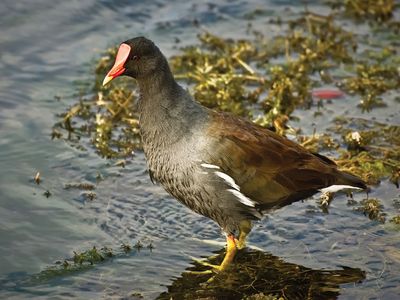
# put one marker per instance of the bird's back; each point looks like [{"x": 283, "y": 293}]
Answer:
[{"x": 270, "y": 169}]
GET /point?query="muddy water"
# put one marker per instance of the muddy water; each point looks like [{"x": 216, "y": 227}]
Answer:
[{"x": 47, "y": 48}]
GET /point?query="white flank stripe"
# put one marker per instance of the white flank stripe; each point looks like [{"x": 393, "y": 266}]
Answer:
[
  {"x": 209, "y": 166},
  {"x": 236, "y": 189},
  {"x": 242, "y": 198},
  {"x": 335, "y": 188},
  {"x": 229, "y": 180}
]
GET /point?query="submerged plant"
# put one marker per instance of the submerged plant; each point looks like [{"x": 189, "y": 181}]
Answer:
[
  {"x": 80, "y": 261},
  {"x": 373, "y": 209},
  {"x": 395, "y": 220},
  {"x": 371, "y": 81},
  {"x": 373, "y": 152},
  {"x": 376, "y": 10}
]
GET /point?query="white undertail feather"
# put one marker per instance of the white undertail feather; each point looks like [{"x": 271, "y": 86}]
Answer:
[{"x": 334, "y": 188}]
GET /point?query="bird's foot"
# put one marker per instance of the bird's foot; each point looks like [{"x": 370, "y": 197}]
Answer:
[
  {"x": 204, "y": 263},
  {"x": 230, "y": 253},
  {"x": 240, "y": 244},
  {"x": 213, "y": 270}
]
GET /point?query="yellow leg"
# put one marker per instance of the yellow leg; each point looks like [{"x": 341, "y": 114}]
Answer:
[
  {"x": 231, "y": 250},
  {"x": 245, "y": 228}
]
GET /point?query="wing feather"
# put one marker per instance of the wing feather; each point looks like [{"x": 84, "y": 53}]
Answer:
[{"x": 270, "y": 170}]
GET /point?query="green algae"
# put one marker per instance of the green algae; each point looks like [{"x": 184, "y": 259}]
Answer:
[
  {"x": 80, "y": 261},
  {"x": 83, "y": 260}
]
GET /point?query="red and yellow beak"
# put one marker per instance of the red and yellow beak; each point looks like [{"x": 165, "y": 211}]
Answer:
[{"x": 118, "y": 68}]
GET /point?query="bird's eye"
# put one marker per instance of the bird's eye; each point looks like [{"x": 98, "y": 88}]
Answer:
[{"x": 135, "y": 57}]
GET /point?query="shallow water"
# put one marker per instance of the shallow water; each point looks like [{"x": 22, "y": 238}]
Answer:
[{"x": 47, "y": 47}]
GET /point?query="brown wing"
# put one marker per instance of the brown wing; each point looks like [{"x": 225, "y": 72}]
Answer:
[{"x": 270, "y": 169}]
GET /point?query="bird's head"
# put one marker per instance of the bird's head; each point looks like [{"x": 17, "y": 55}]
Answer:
[{"x": 138, "y": 58}]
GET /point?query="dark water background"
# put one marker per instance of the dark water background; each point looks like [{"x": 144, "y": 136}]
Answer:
[{"x": 46, "y": 49}]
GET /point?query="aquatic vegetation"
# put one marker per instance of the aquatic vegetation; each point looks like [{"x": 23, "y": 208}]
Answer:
[
  {"x": 262, "y": 296},
  {"x": 126, "y": 247},
  {"x": 370, "y": 82},
  {"x": 105, "y": 116},
  {"x": 79, "y": 262},
  {"x": 89, "y": 195},
  {"x": 138, "y": 245},
  {"x": 373, "y": 151},
  {"x": 82, "y": 260},
  {"x": 395, "y": 220},
  {"x": 379, "y": 11},
  {"x": 373, "y": 209},
  {"x": 80, "y": 186},
  {"x": 325, "y": 199},
  {"x": 91, "y": 256}
]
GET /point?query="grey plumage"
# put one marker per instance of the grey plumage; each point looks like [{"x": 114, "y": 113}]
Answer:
[{"x": 220, "y": 166}]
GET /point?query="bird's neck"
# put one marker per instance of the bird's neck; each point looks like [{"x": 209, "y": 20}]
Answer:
[
  {"x": 159, "y": 93},
  {"x": 168, "y": 113},
  {"x": 160, "y": 82},
  {"x": 159, "y": 107}
]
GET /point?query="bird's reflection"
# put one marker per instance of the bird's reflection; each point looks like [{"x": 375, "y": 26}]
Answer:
[{"x": 259, "y": 275}]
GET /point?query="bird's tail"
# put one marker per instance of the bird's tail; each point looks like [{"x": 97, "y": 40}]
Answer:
[{"x": 345, "y": 178}]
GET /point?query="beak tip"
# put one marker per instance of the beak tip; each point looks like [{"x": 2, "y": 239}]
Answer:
[{"x": 106, "y": 80}]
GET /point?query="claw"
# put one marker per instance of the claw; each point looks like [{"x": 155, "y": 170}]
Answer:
[{"x": 205, "y": 272}]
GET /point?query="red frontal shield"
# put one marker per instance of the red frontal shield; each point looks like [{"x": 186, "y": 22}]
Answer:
[{"x": 118, "y": 68}]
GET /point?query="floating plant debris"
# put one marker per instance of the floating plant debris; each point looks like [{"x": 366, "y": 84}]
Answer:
[
  {"x": 126, "y": 247},
  {"x": 47, "y": 193},
  {"x": 80, "y": 261},
  {"x": 80, "y": 186},
  {"x": 361, "y": 10},
  {"x": 371, "y": 81},
  {"x": 138, "y": 245},
  {"x": 37, "y": 179},
  {"x": 373, "y": 209},
  {"x": 90, "y": 256},
  {"x": 395, "y": 220},
  {"x": 89, "y": 195},
  {"x": 373, "y": 151},
  {"x": 325, "y": 200}
]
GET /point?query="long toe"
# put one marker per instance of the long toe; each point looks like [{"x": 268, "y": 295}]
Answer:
[{"x": 204, "y": 272}]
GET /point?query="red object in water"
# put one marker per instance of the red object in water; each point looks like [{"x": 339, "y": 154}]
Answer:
[{"x": 327, "y": 94}]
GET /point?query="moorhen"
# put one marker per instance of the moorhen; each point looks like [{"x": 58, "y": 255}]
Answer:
[{"x": 219, "y": 165}]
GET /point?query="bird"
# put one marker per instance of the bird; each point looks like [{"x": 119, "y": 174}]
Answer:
[{"x": 221, "y": 166}]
